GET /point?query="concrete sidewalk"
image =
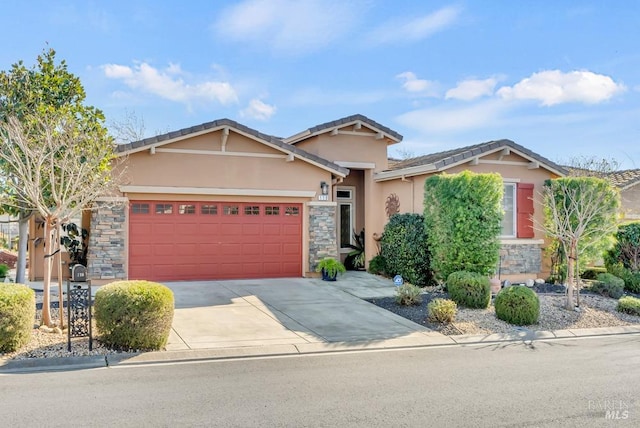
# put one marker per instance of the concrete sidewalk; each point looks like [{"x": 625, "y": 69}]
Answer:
[{"x": 291, "y": 316}]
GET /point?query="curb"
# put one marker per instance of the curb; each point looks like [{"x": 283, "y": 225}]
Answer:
[{"x": 163, "y": 357}]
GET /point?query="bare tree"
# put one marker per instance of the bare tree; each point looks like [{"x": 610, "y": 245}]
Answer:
[
  {"x": 61, "y": 167},
  {"x": 130, "y": 128},
  {"x": 579, "y": 212}
]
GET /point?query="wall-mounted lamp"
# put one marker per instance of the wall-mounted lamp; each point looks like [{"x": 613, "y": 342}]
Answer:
[{"x": 324, "y": 187}]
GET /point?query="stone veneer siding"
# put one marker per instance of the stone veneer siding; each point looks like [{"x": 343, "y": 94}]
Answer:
[
  {"x": 322, "y": 233},
  {"x": 520, "y": 259},
  {"x": 106, "y": 255}
]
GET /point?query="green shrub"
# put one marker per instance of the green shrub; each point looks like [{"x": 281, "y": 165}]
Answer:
[
  {"x": 408, "y": 294},
  {"x": 378, "y": 265},
  {"x": 4, "y": 270},
  {"x": 134, "y": 314},
  {"x": 592, "y": 273},
  {"x": 462, "y": 216},
  {"x": 631, "y": 279},
  {"x": 517, "y": 305},
  {"x": 623, "y": 260},
  {"x": 608, "y": 285},
  {"x": 442, "y": 310},
  {"x": 404, "y": 248},
  {"x": 469, "y": 289},
  {"x": 17, "y": 315},
  {"x": 629, "y": 305}
]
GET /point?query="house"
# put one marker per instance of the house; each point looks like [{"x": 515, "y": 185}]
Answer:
[
  {"x": 628, "y": 182},
  {"x": 221, "y": 200}
]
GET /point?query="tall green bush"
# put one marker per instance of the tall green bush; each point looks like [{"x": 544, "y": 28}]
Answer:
[
  {"x": 623, "y": 260},
  {"x": 17, "y": 315},
  {"x": 134, "y": 314},
  {"x": 404, "y": 249},
  {"x": 463, "y": 214}
]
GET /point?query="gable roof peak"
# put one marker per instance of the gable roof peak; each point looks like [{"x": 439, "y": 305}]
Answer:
[{"x": 339, "y": 123}]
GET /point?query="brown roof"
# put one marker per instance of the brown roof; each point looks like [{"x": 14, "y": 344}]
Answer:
[
  {"x": 625, "y": 179},
  {"x": 443, "y": 159}
]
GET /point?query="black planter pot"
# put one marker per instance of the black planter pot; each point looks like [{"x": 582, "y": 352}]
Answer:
[{"x": 327, "y": 277}]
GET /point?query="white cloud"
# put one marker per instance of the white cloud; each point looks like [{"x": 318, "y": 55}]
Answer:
[
  {"x": 471, "y": 89},
  {"x": 169, "y": 85},
  {"x": 287, "y": 26},
  {"x": 412, "y": 84},
  {"x": 436, "y": 120},
  {"x": 258, "y": 110},
  {"x": 412, "y": 29},
  {"x": 552, "y": 87}
]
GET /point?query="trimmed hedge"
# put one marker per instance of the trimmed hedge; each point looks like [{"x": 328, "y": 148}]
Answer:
[
  {"x": 517, "y": 305},
  {"x": 17, "y": 315},
  {"x": 134, "y": 315},
  {"x": 403, "y": 247},
  {"x": 608, "y": 285},
  {"x": 378, "y": 265},
  {"x": 462, "y": 216},
  {"x": 629, "y": 305},
  {"x": 469, "y": 289}
]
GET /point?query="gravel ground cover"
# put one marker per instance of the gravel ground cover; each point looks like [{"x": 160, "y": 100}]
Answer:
[{"x": 594, "y": 311}]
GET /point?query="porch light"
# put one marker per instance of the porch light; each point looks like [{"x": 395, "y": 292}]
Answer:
[{"x": 324, "y": 187}]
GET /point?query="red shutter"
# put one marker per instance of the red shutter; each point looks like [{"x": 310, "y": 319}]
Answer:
[{"x": 525, "y": 210}]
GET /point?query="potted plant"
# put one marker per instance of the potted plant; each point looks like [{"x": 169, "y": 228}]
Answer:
[
  {"x": 76, "y": 244},
  {"x": 330, "y": 268},
  {"x": 355, "y": 258}
]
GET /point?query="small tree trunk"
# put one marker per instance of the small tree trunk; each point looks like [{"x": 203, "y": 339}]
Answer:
[
  {"x": 59, "y": 265},
  {"x": 570, "y": 277},
  {"x": 46, "y": 297},
  {"x": 23, "y": 236}
]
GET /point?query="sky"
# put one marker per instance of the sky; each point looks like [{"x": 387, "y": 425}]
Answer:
[{"x": 561, "y": 78}]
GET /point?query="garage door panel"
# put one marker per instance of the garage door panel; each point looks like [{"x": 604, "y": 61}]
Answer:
[{"x": 214, "y": 245}]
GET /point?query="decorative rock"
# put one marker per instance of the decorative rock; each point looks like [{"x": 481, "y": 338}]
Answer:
[
  {"x": 530, "y": 282},
  {"x": 506, "y": 283},
  {"x": 540, "y": 281}
]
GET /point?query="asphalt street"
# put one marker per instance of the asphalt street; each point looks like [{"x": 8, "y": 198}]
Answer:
[{"x": 574, "y": 382}]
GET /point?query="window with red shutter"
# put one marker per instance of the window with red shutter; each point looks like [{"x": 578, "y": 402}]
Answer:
[{"x": 524, "y": 207}]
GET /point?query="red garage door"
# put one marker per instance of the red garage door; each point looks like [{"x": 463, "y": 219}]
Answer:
[{"x": 214, "y": 240}]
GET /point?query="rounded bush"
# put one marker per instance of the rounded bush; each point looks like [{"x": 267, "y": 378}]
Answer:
[
  {"x": 17, "y": 315},
  {"x": 377, "y": 265},
  {"x": 404, "y": 248},
  {"x": 517, "y": 305},
  {"x": 469, "y": 289},
  {"x": 134, "y": 314},
  {"x": 442, "y": 310},
  {"x": 629, "y": 305},
  {"x": 608, "y": 285}
]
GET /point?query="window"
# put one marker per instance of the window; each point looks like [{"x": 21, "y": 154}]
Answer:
[
  {"x": 275, "y": 210},
  {"x": 251, "y": 210},
  {"x": 164, "y": 208},
  {"x": 509, "y": 207},
  {"x": 231, "y": 210},
  {"x": 343, "y": 194},
  {"x": 517, "y": 204},
  {"x": 186, "y": 209},
  {"x": 139, "y": 208},
  {"x": 346, "y": 216},
  {"x": 292, "y": 211},
  {"x": 209, "y": 209}
]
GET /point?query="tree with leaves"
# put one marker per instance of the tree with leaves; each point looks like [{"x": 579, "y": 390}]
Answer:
[
  {"x": 55, "y": 153},
  {"x": 580, "y": 212},
  {"x": 27, "y": 92}
]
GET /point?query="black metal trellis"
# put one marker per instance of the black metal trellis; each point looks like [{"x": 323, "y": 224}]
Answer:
[{"x": 78, "y": 312}]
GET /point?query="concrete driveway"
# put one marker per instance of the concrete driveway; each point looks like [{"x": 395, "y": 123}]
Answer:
[{"x": 300, "y": 312}]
